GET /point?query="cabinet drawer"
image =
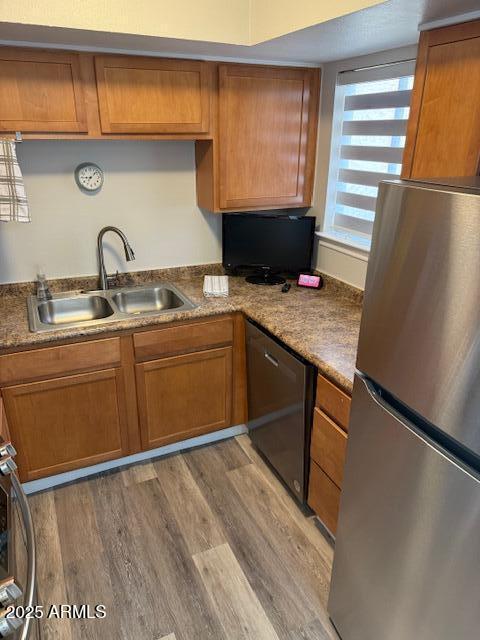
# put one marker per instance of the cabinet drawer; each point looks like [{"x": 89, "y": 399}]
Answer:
[
  {"x": 334, "y": 402},
  {"x": 183, "y": 338},
  {"x": 328, "y": 446},
  {"x": 55, "y": 361},
  {"x": 323, "y": 497}
]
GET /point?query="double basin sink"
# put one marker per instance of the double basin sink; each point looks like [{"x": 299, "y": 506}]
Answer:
[{"x": 84, "y": 309}]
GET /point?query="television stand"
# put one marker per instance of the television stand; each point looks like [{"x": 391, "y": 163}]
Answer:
[{"x": 266, "y": 277}]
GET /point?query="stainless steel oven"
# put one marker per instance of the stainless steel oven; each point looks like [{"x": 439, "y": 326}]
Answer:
[{"x": 17, "y": 553}]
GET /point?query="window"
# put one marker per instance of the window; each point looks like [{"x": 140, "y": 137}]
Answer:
[{"x": 369, "y": 124}]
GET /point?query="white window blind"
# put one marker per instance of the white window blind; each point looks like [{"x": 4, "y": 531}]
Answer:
[{"x": 369, "y": 124}]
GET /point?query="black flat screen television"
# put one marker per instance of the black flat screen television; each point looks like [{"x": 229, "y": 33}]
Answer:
[{"x": 265, "y": 245}]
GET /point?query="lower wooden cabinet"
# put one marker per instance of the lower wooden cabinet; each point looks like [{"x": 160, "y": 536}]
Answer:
[
  {"x": 74, "y": 405},
  {"x": 69, "y": 422},
  {"x": 323, "y": 497},
  {"x": 184, "y": 396},
  {"x": 327, "y": 451}
]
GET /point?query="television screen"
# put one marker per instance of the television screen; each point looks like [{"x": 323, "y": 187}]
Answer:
[{"x": 282, "y": 244}]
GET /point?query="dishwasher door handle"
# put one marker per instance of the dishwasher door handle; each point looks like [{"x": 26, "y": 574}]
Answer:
[{"x": 271, "y": 359}]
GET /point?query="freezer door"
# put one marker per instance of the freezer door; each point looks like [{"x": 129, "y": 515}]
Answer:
[
  {"x": 420, "y": 333},
  {"x": 277, "y": 383},
  {"x": 407, "y": 553}
]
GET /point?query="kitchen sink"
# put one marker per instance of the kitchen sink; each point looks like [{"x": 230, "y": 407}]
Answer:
[
  {"x": 80, "y": 309},
  {"x": 73, "y": 310},
  {"x": 148, "y": 299}
]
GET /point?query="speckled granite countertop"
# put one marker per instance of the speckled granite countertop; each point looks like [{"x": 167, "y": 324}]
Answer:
[{"x": 320, "y": 325}]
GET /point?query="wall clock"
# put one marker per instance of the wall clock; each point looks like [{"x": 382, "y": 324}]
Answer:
[{"x": 89, "y": 177}]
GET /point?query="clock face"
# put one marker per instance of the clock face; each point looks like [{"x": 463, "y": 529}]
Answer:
[{"x": 89, "y": 176}]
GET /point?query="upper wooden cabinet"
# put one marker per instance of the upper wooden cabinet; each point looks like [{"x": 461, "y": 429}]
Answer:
[
  {"x": 443, "y": 136},
  {"x": 152, "y": 95},
  {"x": 263, "y": 152},
  {"x": 41, "y": 91}
]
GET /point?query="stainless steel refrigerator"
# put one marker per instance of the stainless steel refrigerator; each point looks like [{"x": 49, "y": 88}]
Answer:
[{"x": 407, "y": 553}]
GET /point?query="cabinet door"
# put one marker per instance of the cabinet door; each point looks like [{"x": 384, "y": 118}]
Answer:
[
  {"x": 61, "y": 424},
  {"x": 267, "y": 135},
  {"x": 152, "y": 95},
  {"x": 184, "y": 396},
  {"x": 4, "y": 430},
  {"x": 41, "y": 92},
  {"x": 443, "y": 137}
]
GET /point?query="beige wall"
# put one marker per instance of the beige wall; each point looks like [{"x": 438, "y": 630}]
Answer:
[
  {"x": 210, "y": 20},
  {"x": 274, "y": 18},
  {"x": 149, "y": 192},
  {"x": 333, "y": 258},
  {"x": 243, "y": 22}
]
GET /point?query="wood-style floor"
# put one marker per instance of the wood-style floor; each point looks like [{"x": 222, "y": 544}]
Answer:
[{"x": 203, "y": 545}]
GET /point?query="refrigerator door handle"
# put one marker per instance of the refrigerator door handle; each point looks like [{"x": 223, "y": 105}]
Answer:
[{"x": 430, "y": 440}]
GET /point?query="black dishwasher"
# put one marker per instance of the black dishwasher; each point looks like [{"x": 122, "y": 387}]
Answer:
[{"x": 280, "y": 406}]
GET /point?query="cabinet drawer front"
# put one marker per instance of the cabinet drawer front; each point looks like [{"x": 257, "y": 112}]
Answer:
[
  {"x": 183, "y": 338},
  {"x": 41, "y": 92},
  {"x": 152, "y": 95},
  {"x": 184, "y": 396},
  {"x": 323, "y": 497},
  {"x": 61, "y": 360},
  {"x": 67, "y": 423},
  {"x": 328, "y": 446},
  {"x": 334, "y": 402}
]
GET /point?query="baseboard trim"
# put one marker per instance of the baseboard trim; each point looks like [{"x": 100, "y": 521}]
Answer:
[{"x": 63, "y": 478}]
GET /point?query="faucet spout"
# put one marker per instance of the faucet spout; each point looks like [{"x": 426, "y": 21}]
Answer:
[{"x": 129, "y": 254}]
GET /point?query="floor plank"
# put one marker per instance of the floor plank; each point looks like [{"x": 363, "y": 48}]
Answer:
[
  {"x": 138, "y": 473},
  {"x": 235, "y": 602},
  {"x": 134, "y": 575},
  {"x": 200, "y": 528},
  {"x": 255, "y": 546},
  {"x": 85, "y": 562},
  {"x": 178, "y": 585},
  {"x": 50, "y": 564},
  {"x": 321, "y": 543},
  {"x": 202, "y": 545}
]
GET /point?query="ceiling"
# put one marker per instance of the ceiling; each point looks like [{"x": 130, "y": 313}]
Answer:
[{"x": 392, "y": 24}]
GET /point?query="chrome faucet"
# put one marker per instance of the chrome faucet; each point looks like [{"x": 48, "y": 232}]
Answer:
[{"x": 129, "y": 255}]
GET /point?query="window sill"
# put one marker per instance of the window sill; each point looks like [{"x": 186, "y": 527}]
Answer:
[{"x": 343, "y": 245}]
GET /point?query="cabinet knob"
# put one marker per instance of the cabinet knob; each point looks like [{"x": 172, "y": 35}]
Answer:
[
  {"x": 7, "y": 465},
  {"x": 7, "y": 449},
  {"x": 8, "y": 625},
  {"x": 9, "y": 592}
]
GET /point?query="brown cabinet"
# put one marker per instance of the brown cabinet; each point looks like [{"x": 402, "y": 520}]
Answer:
[
  {"x": 184, "y": 396},
  {"x": 78, "y": 404},
  {"x": 263, "y": 152},
  {"x": 152, "y": 95},
  {"x": 333, "y": 401},
  {"x": 4, "y": 429},
  {"x": 443, "y": 136},
  {"x": 41, "y": 91},
  {"x": 69, "y": 422},
  {"x": 327, "y": 451},
  {"x": 328, "y": 446},
  {"x": 324, "y": 497}
]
